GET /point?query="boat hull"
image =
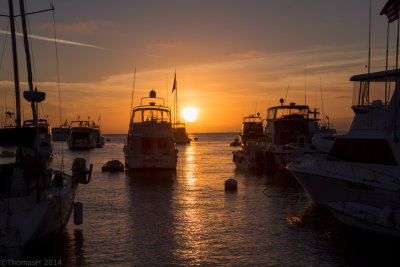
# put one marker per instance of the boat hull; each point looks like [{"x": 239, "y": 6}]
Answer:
[
  {"x": 366, "y": 218},
  {"x": 31, "y": 221},
  {"x": 322, "y": 188},
  {"x": 137, "y": 161}
]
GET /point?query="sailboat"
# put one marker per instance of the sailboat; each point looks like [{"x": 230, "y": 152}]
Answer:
[
  {"x": 178, "y": 128},
  {"x": 35, "y": 200}
]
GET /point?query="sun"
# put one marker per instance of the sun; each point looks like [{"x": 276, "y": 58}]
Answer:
[{"x": 190, "y": 114}]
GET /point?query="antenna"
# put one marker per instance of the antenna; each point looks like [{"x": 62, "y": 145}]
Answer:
[
  {"x": 305, "y": 85},
  {"x": 369, "y": 39},
  {"x": 287, "y": 91},
  {"x": 133, "y": 89},
  {"x": 322, "y": 102}
]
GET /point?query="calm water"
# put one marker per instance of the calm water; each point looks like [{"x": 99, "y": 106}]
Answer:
[{"x": 186, "y": 217}]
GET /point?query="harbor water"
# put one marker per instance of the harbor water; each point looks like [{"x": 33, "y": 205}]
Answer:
[{"x": 185, "y": 217}]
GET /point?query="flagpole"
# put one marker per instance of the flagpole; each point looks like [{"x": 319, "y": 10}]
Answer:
[
  {"x": 387, "y": 63},
  {"x": 397, "y": 45},
  {"x": 369, "y": 52}
]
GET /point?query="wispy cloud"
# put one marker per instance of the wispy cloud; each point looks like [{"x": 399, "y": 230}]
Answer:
[
  {"x": 247, "y": 54},
  {"x": 80, "y": 26},
  {"x": 48, "y": 39}
]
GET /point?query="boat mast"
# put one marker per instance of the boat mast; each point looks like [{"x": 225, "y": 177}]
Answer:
[
  {"x": 28, "y": 59},
  {"x": 15, "y": 64}
]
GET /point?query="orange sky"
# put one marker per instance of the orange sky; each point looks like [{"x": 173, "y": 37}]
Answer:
[{"x": 232, "y": 58}]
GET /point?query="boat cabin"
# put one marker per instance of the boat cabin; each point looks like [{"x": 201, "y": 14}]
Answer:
[
  {"x": 290, "y": 124},
  {"x": 151, "y": 110}
]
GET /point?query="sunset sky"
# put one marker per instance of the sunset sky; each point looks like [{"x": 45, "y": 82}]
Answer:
[{"x": 232, "y": 57}]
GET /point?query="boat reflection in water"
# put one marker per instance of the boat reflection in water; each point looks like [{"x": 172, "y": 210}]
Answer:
[{"x": 151, "y": 215}]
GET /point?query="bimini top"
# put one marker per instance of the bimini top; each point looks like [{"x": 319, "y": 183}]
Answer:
[
  {"x": 380, "y": 76},
  {"x": 291, "y": 111}
]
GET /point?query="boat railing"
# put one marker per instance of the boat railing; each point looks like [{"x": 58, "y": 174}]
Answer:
[{"x": 354, "y": 170}]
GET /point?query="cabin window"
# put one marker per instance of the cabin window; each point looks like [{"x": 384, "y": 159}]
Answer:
[
  {"x": 373, "y": 151},
  {"x": 147, "y": 143},
  {"x": 367, "y": 93}
]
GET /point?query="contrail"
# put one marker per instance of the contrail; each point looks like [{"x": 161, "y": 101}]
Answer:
[{"x": 52, "y": 40}]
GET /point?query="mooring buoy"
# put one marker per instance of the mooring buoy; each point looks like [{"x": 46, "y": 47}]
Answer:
[{"x": 230, "y": 185}]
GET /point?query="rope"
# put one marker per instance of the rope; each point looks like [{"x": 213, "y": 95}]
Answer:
[
  {"x": 57, "y": 60},
  {"x": 58, "y": 79}
]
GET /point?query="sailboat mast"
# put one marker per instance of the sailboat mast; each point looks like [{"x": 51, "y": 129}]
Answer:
[
  {"x": 15, "y": 64},
  {"x": 28, "y": 58},
  {"x": 176, "y": 105}
]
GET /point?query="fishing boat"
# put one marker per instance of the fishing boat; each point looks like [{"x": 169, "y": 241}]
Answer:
[
  {"x": 150, "y": 140},
  {"x": 178, "y": 127},
  {"x": 362, "y": 165},
  {"x": 252, "y": 130},
  {"x": 35, "y": 200},
  {"x": 45, "y": 136},
  {"x": 81, "y": 135},
  {"x": 61, "y": 132}
]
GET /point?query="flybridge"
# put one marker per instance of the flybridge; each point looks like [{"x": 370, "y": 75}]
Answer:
[{"x": 374, "y": 89}]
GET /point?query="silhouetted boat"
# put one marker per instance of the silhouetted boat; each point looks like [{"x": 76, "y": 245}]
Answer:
[
  {"x": 36, "y": 200},
  {"x": 81, "y": 136},
  {"x": 61, "y": 133},
  {"x": 180, "y": 135},
  {"x": 150, "y": 141},
  {"x": 97, "y": 135},
  {"x": 178, "y": 128},
  {"x": 252, "y": 130},
  {"x": 287, "y": 136}
]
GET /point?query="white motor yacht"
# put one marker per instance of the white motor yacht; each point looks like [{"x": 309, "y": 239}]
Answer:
[
  {"x": 150, "y": 141},
  {"x": 362, "y": 165},
  {"x": 81, "y": 136}
]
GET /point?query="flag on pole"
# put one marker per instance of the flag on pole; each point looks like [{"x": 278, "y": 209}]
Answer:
[
  {"x": 391, "y": 10},
  {"x": 175, "y": 85}
]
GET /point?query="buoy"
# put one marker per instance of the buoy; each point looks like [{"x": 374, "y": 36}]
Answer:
[
  {"x": 230, "y": 185},
  {"x": 78, "y": 213}
]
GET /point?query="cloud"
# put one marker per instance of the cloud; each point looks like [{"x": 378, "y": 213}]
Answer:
[
  {"x": 80, "y": 26},
  {"x": 52, "y": 40},
  {"x": 247, "y": 54}
]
